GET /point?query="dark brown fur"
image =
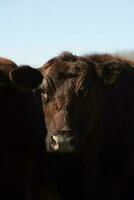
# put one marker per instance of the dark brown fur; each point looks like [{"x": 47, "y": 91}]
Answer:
[{"x": 91, "y": 97}]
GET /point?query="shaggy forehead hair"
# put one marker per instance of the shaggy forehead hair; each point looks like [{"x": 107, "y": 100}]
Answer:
[
  {"x": 106, "y": 68},
  {"x": 91, "y": 59},
  {"x": 66, "y": 63},
  {"x": 65, "y": 67}
]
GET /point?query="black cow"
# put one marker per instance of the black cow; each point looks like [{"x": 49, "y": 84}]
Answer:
[
  {"x": 89, "y": 114},
  {"x": 21, "y": 132}
]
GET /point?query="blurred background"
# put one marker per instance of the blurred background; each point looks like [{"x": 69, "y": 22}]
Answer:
[{"x": 33, "y": 31}]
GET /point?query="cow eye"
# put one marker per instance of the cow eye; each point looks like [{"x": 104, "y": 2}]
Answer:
[
  {"x": 81, "y": 90},
  {"x": 45, "y": 97}
]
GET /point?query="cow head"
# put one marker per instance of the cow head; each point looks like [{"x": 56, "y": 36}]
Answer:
[{"x": 69, "y": 95}]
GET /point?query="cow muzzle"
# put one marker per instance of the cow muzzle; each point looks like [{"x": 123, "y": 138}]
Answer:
[{"x": 62, "y": 143}]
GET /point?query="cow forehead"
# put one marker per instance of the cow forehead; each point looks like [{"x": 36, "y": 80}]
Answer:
[
  {"x": 66, "y": 69},
  {"x": 65, "y": 77}
]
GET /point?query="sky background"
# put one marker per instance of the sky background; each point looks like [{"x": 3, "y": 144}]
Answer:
[{"x": 33, "y": 31}]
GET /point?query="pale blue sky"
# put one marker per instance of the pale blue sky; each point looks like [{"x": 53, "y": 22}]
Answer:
[{"x": 33, "y": 31}]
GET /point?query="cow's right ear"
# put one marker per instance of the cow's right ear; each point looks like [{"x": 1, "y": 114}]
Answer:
[
  {"x": 26, "y": 77},
  {"x": 110, "y": 71}
]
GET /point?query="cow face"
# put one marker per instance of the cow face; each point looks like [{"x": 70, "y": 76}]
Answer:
[{"x": 70, "y": 104}]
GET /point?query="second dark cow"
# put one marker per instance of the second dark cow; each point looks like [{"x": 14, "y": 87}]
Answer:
[{"x": 22, "y": 126}]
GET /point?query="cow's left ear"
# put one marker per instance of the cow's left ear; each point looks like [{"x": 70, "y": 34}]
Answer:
[
  {"x": 26, "y": 77},
  {"x": 110, "y": 71}
]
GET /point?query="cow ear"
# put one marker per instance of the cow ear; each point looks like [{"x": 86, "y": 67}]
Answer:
[
  {"x": 26, "y": 77},
  {"x": 110, "y": 71}
]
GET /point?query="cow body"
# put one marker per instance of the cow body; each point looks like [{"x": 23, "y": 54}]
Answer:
[
  {"x": 20, "y": 137},
  {"x": 88, "y": 107}
]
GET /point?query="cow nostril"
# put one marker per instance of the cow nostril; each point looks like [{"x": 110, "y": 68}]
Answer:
[
  {"x": 72, "y": 142},
  {"x": 54, "y": 144},
  {"x": 53, "y": 140}
]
